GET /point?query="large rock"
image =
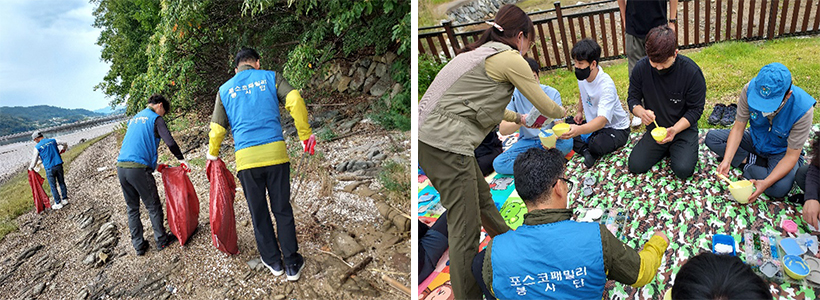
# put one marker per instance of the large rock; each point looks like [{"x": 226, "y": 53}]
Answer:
[
  {"x": 344, "y": 81},
  {"x": 345, "y": 245},
  {"x": 389, "y": 57},
  {"x": 358, "y": 79},
  {"x": 381, "y": 70},
  {"x": 381, "y": 86}
]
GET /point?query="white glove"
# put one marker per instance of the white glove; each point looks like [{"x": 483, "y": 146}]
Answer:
[
  {"x": 183, "y": 162},
  {"x": 211, "y": 157}
]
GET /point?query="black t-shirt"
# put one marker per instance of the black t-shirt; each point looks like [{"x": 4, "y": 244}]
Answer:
[
  {"x": 681, "y": 93},
  {"x": 643, "y": 15}
]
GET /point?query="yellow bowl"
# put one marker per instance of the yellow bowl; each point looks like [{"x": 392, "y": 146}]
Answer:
[
  {"x": 560, "y": 129},
  {"x": 794, "y": 264},
  {"x": 548, "y": 141},
  {"x": 741, "y": 190},
  {"x": 659, "y": 133}
]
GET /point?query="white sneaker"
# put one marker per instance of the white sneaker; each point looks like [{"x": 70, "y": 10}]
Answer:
[
  {"x": 636, "y": 122},
  {"x": 276, "y": 269},
  {"x": 64, "y": 202},
  {"x": 57, "y": 206}
]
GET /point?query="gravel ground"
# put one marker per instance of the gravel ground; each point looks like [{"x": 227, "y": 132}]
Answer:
[{"x": 198, "y": 270}]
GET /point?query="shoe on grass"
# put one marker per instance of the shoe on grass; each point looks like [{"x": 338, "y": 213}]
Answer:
[
  {"x": 275, "y": 267},
  {"x": 717, "y": 114},
  {"x": 728, "y": 115},
  {"x": 294, "y": 271}
]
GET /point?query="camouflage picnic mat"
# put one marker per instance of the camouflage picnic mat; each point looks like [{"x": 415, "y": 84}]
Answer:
[{"x": 690, "y": 212}]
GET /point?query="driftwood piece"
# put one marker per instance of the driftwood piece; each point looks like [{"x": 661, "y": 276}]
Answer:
[
  {"x": 396, "y": 284},
  {"x": 355, "y": 269}
]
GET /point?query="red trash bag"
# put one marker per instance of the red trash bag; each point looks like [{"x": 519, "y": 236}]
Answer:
[
  {"x": 222, "y": 195},
  {"x": 41, "y": 201},
  {"x": 182, "y": 203}
]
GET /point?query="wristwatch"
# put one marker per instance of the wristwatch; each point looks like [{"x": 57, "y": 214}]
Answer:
[{"x": 673, "y": 21}]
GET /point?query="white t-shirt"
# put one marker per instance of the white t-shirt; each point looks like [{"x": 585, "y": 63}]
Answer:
[{"x": 600, "y": 99}]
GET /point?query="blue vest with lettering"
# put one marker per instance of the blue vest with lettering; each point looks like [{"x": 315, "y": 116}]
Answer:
[
  {"x": 140, "y": 143},
  {"x": 561, "y": 260},
  {"x": 49, "y": 153},
  {"x": 772, "y": 137},
  {"x": 252, "y": 107}
]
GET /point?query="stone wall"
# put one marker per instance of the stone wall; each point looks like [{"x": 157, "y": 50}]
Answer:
[
  {"x": 477, "y": 10},
  {"x": 370, "y": 75}
]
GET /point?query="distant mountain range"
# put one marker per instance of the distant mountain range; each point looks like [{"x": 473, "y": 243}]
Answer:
[
  {"x": 16, "y": 119},
  {"x": 109, "y": 111}
]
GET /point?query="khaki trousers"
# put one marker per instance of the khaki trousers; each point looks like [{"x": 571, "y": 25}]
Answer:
[{"x": 466, "y": 196}]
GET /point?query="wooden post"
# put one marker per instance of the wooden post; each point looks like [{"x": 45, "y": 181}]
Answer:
[
  {"x": 739, "y": 20},
  {"x": 816, "y": 18},
  {"x": 750, "y": 27},
  {"x": 708, "y": 35},
  {"x": 564, "y": 43},
  {"x": 718, "y": 15},
  {"x": 806, "y": 16},
  {"x": 448, "y": 28},
  {"x": 697, "y": 22},
  {"x": 783, "y": 16},
  {"x": 685, "y": 22},
  {"x": 729, "y": 20},
  {"x": 772, "y": 19}
]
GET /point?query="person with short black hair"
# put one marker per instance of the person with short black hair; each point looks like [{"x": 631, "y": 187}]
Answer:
[
  {"x": 713, "y": 276},
  {"x": 135, "y": 163},
  {"x": 249, "y": 105},
  {"x": 527, "y": 137},
  {"x": 667, "y": 88},
  {"x": 779, "y": 115},
  {"x": 808, "y": 179},
  {"x": 601, "y": 124},
  {"x": 567, "y": 259},
  {"x": 48, "y": 150}
]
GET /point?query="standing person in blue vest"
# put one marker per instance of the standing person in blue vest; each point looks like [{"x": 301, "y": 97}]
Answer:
[
  {"x": 528, "y": 137},
  {"x": 249, "y": 104},
  {"x": 136, "y": 162},
  {"x": 48, "y": 150},
  {"x": 769, "y": 152},
  {"x": 551, "y": 256}
]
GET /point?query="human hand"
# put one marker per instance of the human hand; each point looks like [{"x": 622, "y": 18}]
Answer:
[
  {"x": 760, "y": 187},
  {"x": 647, "y": 117},
  {"x": 811, "y": 212},
  {"x": 574, "y": 130},
  {"x": 723, "y": 167},
  {"x": 670, "y": 135},
  {"x": 184, "y": 164},
  {"x": 579, "y": 117},
  {"x": 674, "y": 26},
  {"x": 309, "y": 144}
]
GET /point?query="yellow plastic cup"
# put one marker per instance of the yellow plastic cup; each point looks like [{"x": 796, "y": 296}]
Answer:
[
  {"x": 548, "y": 140},
  {"x": 741, "y": 190},
  {"x": 659, "y": 133},
  {"x": 560, "y": 129}
]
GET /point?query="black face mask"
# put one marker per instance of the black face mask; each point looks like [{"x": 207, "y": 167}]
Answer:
[
  {"x": 583, "y": 74},
  {"x": 667, "y": 70}
]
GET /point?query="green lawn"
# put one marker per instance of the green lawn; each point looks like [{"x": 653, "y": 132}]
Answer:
[
  {"x": 727, "y": 67},
  {"x": 15, "y": 194}
]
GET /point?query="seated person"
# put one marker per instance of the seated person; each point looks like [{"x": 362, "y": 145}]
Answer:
[
  {"x": 564, "y": 259},
  {"x": 528, "y": 137},
  {"x": 432, "y": 244},
  {"x": 487, "y": 151},
  {"x": 607, "y": 124},
  {"x": 713, "y": 276},
  {"x": 780, "y": 115},
  {"x": 808, "y": 179},
  {"x": 668, "y": 88}
]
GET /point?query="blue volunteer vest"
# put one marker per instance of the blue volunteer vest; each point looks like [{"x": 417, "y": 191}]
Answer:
[
  {"x": 140, "y": 143},
  {"x": 772, "y": 137},
  {"x": 570, "y": 266},
  {"x": 49, "y": 153},
  {"x": 252, "y": 107}
]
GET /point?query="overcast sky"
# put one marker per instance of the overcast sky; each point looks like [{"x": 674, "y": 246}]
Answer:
[{"x": 48, "y": 54}]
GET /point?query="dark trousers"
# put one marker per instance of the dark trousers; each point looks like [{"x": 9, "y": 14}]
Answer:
[
  {"x": 432, "y": 244},
  {"x": 136, "y": 184},
  {"x": 485, "y": 162},
  {"x": 466, "y": 196},
  {"x": 55, "y": 176},
  {"x": 682, "y": 151},
  {"x": 716, "y": 141},
  {"x": 478, "y": 271},
  {"x": 276, "y": 181},
  {"x": 602, "y": 142}
]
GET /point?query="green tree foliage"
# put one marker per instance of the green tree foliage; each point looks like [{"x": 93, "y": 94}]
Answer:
[{"x": 184, "y": 49}]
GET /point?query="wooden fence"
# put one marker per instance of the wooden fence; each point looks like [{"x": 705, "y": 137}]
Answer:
[{"x": 700, "y": 23}]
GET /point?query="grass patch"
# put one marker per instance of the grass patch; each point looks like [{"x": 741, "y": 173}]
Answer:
[
  {"x": 325, "y": 133},
  {"x": 15, "y": 194},
  {"x": 726, "y": 66},
  {"x": 395, "y": 180}
]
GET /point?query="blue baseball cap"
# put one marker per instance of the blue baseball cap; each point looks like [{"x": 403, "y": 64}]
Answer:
[{"x": 767, "y": 89}]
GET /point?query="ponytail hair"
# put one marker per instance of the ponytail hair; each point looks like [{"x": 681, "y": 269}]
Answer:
[{"x": 509, "y": 21}]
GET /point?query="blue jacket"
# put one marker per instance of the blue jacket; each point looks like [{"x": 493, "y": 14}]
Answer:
[
  {"x": 772, "y": 137},
  {"x": 49, "y": 153},
  {"x": 140, "y": 143},
  {"x": 571, "y": 266},
  {"x": 252, "y": 107}
]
